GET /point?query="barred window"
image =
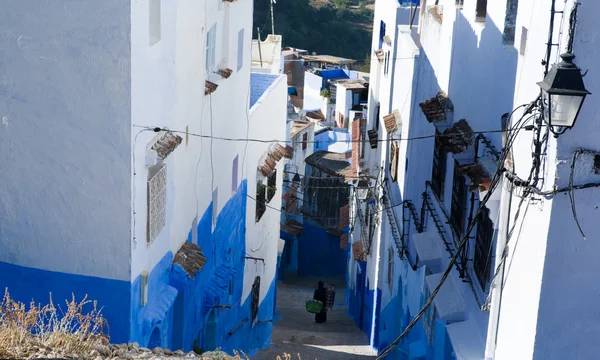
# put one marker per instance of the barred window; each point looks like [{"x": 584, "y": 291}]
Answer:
[
  {"x": 438, "y": 175},
  {"x": 272, "y": 186},
  {"x": 459, "y": 198},
  {"x": 261, "y": 207},
  {"x": 482, "y": 260},
  {"x": 254, "y": 299},
  {"x": 481, "y": 10}
]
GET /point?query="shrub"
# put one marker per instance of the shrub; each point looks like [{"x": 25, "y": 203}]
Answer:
[{"x": 24, "y": 331}]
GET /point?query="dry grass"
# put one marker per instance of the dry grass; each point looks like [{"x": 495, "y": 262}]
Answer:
[
  {"x": 73, "y": 332},
  {"x": 28, "y": 330}
]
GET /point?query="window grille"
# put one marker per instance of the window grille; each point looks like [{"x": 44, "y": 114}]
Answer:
[
  {"x": 459, "y": 198},
  {"x": 304, "y": 141},
  {"x": 261, "y": 193},
  {"x": 394, "y": 154},
  {"x": 157, "y": 201},
  {"x": 254, "y": 300},
  {"x": 482, "y": 260},
  {"x": 459, "y": 3},
  {"x": 438, "y": 176}
]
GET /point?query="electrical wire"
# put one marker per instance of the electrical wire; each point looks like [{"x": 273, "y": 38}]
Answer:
[
  {"x": 157, "y": 129},
  {"x": 494, "y": 183},
  {"x": 571, "y": 195}
]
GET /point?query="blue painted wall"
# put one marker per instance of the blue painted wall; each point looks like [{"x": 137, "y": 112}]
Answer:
[
  {"x": 319, "y": 254},
  {"x": 180, "y": 311},
  {"x": 25, "y": 284}
]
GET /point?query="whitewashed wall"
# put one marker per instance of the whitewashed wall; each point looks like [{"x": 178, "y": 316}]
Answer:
[
  {"x": 267, "y": 122},
  {"x": 64, "y": 135},
  {"x": 168, "y": 91},
  {"x": 312, "y": 93},
  {"x": 548, "y": 304}
]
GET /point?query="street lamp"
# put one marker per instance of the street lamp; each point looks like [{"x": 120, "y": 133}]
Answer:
[{"x": 563, "y": 92}]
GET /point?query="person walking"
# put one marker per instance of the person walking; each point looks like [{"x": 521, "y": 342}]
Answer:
[{"x": 321, "y": 295}]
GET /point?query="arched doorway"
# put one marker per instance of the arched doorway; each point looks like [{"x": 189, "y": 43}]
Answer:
[{"x": 154, "y": 339}]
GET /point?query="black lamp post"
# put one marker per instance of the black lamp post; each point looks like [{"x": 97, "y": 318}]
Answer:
[{"x": 563, "y": 92}]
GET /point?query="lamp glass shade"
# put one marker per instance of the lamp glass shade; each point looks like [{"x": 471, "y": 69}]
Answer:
[{"x": 563, "y": 109}]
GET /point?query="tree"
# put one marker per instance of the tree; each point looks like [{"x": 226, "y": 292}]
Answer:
[{"x": 366, "y": 67}]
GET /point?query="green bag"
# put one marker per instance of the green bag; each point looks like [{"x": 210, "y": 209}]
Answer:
[{"x": 314, "y": 306}]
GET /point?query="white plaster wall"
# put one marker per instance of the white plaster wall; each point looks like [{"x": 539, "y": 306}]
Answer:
[
  {"x": 168, "y": 91},
  {"x": 299, "y": 156},
  {"x": 267, "y": 122},
  {"x": 312, "y": 92},
  {"x": 270, "y": 51},
  {"x": 547, "y": 304},
  {"x": 64, "y": 136},
  {"x": 343, "y": 102}
]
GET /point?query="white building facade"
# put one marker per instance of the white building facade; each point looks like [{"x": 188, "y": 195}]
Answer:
[
  {"x": 459, "y": 77},
  {"x": 153, "y": 211}
]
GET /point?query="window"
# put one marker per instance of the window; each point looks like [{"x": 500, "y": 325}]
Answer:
[
  {"x": 438, "y": 174},
  {"x": 240, "y": 54},
  {"x": 459, "y": 198},
  {"x": 157, "y": 201},
  {"x": 390, "y": 271},
  {"x": 381, "y": 33},
  {"x": 394, "y": 154},
  {"x": 304, "y": 141},
  {"x": 482, "y": 260},
  {"x": 260, "y": 200},
  {"x": 211, "y": 40},
  {"x": 459, "y": 3},
  {"x": 481, "y": 10},
  {"x": 362, "y": 143},
  {"x": 254, "y": 299},
  {"x": 510, "y": 19},
  {"x": 234, "y": 174},
  {"x": 355, "y": 98},
  {"x": 377, "y": 117},
  {"x": 271, "y": 186},
  {"x": 154, "y": 22},
  {"x": 523, "y": 44},
  {"x": 386, "y": 65}
]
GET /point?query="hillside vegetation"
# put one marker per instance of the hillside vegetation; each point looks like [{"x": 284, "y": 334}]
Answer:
[{"x": 333, "y": 27}]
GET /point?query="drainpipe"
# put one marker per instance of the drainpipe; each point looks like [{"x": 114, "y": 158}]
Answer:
[{"x": 496, "y": 287}]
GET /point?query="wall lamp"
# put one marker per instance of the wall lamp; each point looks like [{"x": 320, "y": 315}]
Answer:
[{"x": 563, "y": 93}]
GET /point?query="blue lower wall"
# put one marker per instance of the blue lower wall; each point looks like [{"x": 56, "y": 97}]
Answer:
[
  {"x": 199, "y": 312},
  {"x": 319, "y": 254},
  {"x": 181, "y": 312},
  {"x": 25, "y": 284},
  {"x": 394, "y": 318}
]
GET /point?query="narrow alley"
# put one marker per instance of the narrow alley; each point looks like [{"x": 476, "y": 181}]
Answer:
[{"x": 295, "y": 331}]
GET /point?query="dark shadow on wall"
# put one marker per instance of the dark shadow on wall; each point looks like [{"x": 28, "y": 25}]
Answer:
[{"x": 481, "y": 88}]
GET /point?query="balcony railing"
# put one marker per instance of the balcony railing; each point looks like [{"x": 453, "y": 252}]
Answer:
[{"x": 432, "y": 204}]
